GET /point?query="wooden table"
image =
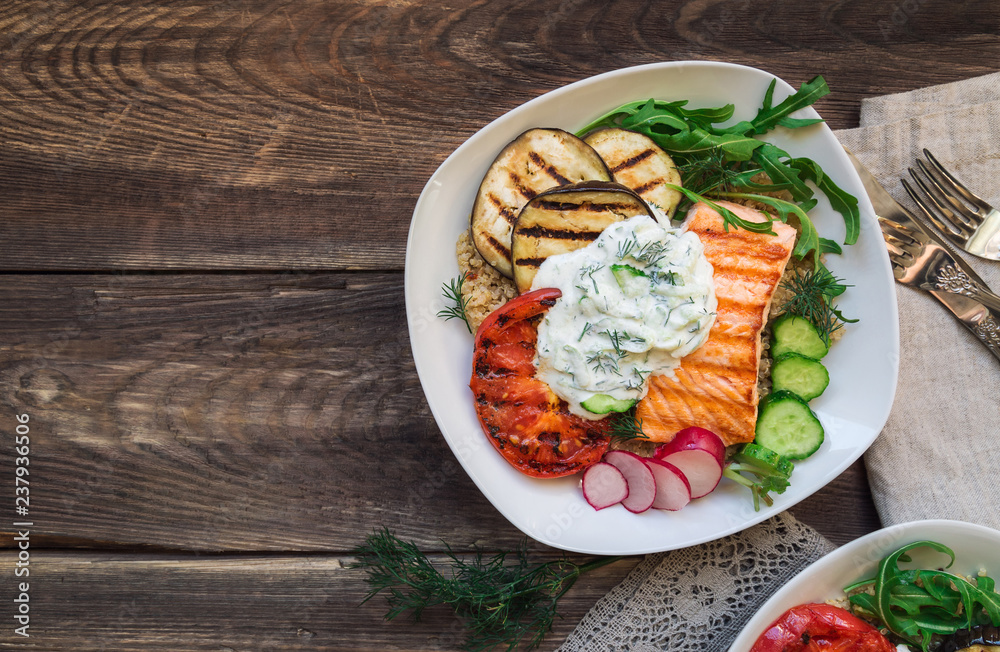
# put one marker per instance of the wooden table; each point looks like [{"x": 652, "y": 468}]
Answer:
[{"x": 204, "y": 215}]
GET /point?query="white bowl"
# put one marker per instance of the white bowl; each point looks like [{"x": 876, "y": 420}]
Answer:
[
  {"x": 976, "y": 547},
  {"x": 862, "y": 365}
]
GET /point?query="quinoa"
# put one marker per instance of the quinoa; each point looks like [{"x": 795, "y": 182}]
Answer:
[
  {"x": 485, "y": 289},
  {"x": 779, "y": 299}
]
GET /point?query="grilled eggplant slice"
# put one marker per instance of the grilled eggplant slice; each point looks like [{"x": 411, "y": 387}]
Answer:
[
  {"x": 637, "y": 162},
  {"x": 535, "y": 161},
  {"x": 565, "y": 219}
]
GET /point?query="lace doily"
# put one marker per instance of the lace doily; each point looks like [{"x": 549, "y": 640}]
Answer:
[{"x": 698, "y": 599}]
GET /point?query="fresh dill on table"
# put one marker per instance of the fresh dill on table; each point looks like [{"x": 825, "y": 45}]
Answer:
[
  {"x": 502, "y": 599},
  {"x": 453, "y": 293}
]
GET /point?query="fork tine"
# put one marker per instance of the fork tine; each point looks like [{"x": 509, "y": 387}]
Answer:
[
  {"x": 969, "y": 196},
  {"x": 953, "y": 229},
  {"x": 901, "y": 235},
  {"x": 899, "y": 252},
  {"x": 964, "y": 214}
]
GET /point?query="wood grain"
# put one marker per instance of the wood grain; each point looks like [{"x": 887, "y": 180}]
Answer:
[
  {"x": 236, "y": 412},
  {"x": 132, "y": 603},
  {"x": 263, "y": 134}
]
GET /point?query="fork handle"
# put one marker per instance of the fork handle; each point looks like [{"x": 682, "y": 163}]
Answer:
[
  {"x": 987, "y": 328},
  {"x": 952, "y": 279}
]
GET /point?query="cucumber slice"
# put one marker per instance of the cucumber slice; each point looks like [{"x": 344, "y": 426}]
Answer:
[
  {"x": 603, "y": 404},
  {"x": 787, "y": 426},
  {"x": 632, "y": 281},
  {"x": 795, "y": 334},
  {"x": 765, "y": 460},
  {"x": 800, "y": 375}
]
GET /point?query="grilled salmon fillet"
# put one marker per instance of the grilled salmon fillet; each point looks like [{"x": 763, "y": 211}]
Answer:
[{"x": 716, "y": 386}]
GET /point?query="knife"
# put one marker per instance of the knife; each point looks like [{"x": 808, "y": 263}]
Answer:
[{"x": 972, "y": 313}]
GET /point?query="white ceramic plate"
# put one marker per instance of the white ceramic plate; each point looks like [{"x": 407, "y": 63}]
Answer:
[
  {"x": 976, "y": 547},
  {"x": 862, "y": 365}
]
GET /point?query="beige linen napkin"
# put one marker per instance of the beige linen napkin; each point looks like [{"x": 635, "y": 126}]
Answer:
[
  {"x": 934, "y": 459},
  {"x": 939, "y": 451}
]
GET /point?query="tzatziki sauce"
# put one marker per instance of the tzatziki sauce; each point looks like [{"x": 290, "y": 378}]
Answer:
[{"x": 634, "y": 302}]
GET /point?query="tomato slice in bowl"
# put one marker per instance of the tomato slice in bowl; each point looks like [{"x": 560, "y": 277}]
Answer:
[{"x": 526, "y": 422}]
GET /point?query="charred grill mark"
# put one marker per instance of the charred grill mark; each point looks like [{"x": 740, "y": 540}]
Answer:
[
  {"x": 498, "y": 246},
  {"x": 549, "y": 169},
  {"x": 558, "y": 234},
  {"x": 646, "y": 186},
  {"x": 505, "y": 211},
  {"x": 589, "y": 207},
  {"x": 524, "y": 190},
  {"x": 530, "y": 262},
  {"x": 551, "y": 439},
  {"x": 631, "y": 162}
]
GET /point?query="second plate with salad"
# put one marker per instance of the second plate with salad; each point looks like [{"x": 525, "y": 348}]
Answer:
[{"x": 862, "y": 365}]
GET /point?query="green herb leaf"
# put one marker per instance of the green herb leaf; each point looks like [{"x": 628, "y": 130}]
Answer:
[
  {"x": 453, "y": 293},
  {"x": 812, "y": 299},
  {"x": 841, "y": 201},
  {"x": 769, "y": 117},
  {"x": 808, "y": 237},
  {"x": 918, "y": 604},
  {"x": 769, "y": 158},
  {"x": 501, "y": 602},
  {"x": 625, "y": 426},
  {"x": 761, "y": 470},
  {"x": 729, "y": 218}
]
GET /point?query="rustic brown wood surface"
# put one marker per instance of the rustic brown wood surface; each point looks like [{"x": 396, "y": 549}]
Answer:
[{"x": 203, "y": 217}]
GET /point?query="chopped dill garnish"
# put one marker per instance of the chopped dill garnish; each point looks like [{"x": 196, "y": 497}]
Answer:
[
  {"x": 589, "y": 271},
  {"x": 453, "y": 292},
  {"x": 501, "y": 602},
  {"x": 616, "y": 341},
  {"x": 604, "y": 361},
  {"x": 625, "y": 426},
  {"x": 812, "y": 298},
  {"x": 625, "y": 247},
  {"x": 586, "y": 328}
]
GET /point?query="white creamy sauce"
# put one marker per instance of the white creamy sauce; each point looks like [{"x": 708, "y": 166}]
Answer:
[{"x": 634, "y": 302}]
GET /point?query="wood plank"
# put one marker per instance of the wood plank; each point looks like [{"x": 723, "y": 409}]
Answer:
[
  {"x": 263, "y": 134},
  {"x": 100, "y": 601},
  {"x": 238, "y": 412}
]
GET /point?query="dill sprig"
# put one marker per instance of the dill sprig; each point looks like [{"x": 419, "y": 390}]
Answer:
[
  {"x": 625, "y": 426},
  {"x": 501, "y": 602},
  {"x": 453, "y": 292},
  {"x": 812, "y": 298}
]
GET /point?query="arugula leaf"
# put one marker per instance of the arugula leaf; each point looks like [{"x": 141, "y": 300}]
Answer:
[
  {"x": 729, "y": 218},
  {"x": 828, "y": 246},
  {"x": 808, "y": 236},
  {"x": 769, "y": 158},
  {"x": 843, "y": 202},
  {"x": 917, "y": 604},
  {"x": 769, "y": 117}
]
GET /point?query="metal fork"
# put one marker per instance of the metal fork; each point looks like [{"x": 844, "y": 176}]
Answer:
[
  {"x": 918, "y": 261},
  {"x": 970, "y": 222}
]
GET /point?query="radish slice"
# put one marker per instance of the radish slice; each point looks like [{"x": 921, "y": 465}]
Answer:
[
  {"x": 672, "y": 488},
  {"x": 702, "y": 470},
  {"x": 694, "y": 438},
  {"x": 641, "y": 485},
  {"x": 604, "y": 485}
]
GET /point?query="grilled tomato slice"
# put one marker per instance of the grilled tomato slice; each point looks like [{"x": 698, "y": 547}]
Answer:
[
  {"x": 821, "y": 628},
  {"x": 524, "y": 420}
]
